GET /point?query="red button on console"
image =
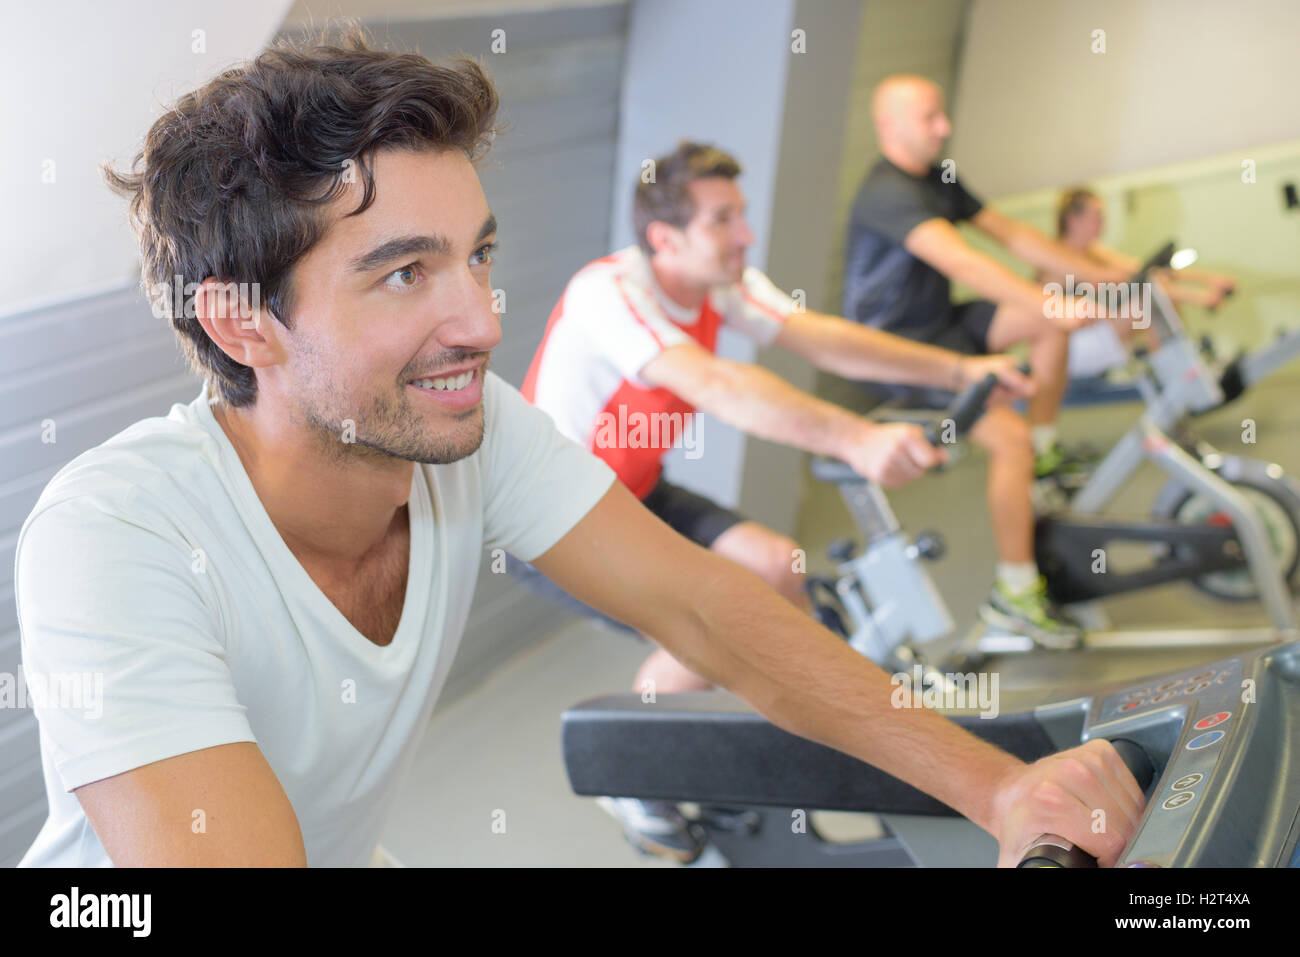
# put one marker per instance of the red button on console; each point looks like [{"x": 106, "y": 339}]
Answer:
[{"x": 1209, "y": 721}]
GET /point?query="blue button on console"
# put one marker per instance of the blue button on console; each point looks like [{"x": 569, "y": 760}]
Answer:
[{"x": 1204, "y": 740}]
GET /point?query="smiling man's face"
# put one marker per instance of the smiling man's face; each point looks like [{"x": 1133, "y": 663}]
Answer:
[
  {"x": 712, "y": 246},
  {"x": 398, "y": 294}
]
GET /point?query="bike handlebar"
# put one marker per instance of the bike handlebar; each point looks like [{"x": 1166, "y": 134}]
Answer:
[
  {"x": 1051, "y": 850},
  {"x": 963, "y": 412},
  {"x": 1159, "y": 260}
]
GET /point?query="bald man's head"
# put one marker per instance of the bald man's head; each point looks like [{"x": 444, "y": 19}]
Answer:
[{"x": 910, "y": 121}]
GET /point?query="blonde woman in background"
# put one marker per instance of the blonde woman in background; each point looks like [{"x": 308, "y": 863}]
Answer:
[{"x": 1095, "y": 349}]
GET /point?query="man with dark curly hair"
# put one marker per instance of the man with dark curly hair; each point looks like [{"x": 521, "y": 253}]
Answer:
[{"x": 273, "y": 579}]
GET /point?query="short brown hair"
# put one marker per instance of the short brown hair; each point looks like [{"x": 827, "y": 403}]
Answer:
[
  {"x": 666, "y": 198},
  {"x": 1071, "y": 203},
  {"x": 231, "y": 180}
]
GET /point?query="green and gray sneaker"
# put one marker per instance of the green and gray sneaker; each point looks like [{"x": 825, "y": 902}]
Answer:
[
  {"x": 1030, "y": 613},
  {"x": 1065, "y": 468}
]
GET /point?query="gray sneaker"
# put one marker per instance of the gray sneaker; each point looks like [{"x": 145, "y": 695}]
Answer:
[
  {"x": 1030, "y": 613},
  {"x": 656, "y": 827}
]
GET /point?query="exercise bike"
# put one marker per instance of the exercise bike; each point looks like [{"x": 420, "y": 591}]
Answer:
[
  {"x": 747, "y": 776},
  {"x": 1219, "y": 792},
  {"x": 883, "y": 601},
  {"x": 1228, "y": 524}
]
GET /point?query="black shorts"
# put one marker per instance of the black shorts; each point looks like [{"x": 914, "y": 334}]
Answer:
[
  {"x": 698, "y": 518},
  {"x": 966, "y": 331}
]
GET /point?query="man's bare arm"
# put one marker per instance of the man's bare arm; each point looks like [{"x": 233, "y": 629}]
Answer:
[
  {"x": 1042, "y": 252},
  {"x": 937, "y": 242},
  {"x": 144, "y": 817},
  {"x": 724, "y": 623},
  {"x": 1180, "y": 285},
  {"x": 855, "y": 351},
  {"x": 762, "y": 404}
]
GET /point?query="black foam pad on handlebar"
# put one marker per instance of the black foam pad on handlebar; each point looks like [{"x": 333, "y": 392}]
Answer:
[
  {"x": 965, "y": 409},
  {"x": 1159, "y": 260}
]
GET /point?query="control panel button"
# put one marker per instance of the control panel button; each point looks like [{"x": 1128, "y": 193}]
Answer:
[
  {"x": 1164, "y": 696},
  {"x": 1188, "y": 781},
  {"x": 1175, "y": 801},
  {"x": 1210, "y": 721},
  {"x": 1203, "y": 676},
  {"x": 1198, "y": 687},
  {"x": 1132, "y": 704},
  {"x": 1204, "y": 740},
  {"x": 1170, "y": 685}
]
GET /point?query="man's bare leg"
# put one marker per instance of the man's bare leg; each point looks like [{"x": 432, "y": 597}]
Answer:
[
  {"x": 1049, "y": 354},
  {"x": 1003, "y": 434}
]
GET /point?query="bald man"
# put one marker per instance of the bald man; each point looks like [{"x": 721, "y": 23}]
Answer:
[{"x": 903, "y": 250}]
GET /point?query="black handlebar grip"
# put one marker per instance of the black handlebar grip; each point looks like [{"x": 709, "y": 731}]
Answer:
[
  {"x": 964, "y": 410},
  {"x": 1159, "y": 260},
  {"x": 1053, "y": 851}
]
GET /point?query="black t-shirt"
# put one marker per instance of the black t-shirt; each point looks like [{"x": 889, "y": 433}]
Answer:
[{"x": 884, "y": 285}]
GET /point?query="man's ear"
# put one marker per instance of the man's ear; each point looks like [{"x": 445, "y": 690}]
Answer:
[
  {"x": 237, "y": 321},
  {"x": 662, "y": 236}
]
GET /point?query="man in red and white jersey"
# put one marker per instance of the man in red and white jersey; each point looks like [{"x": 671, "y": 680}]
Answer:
[{"x": 629, "y": 355}]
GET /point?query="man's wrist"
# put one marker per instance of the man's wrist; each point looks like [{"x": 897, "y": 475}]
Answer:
[
  {"x": 852, "y": 435},
  {"x": 957, "y": 377},
  {"x": 992, "y": 801}
]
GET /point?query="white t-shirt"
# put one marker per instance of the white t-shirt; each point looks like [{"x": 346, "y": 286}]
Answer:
[
  {"x": 610, "y": 322},
  {"x": 150, "y": 562},
  {"x": 1096, "y": 349}
]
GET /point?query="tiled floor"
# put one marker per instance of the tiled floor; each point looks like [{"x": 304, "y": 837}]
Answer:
[{"x": 493, "y": 756}]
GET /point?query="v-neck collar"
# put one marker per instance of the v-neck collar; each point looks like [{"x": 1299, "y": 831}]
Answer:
[{"x": 419, "y": 575}]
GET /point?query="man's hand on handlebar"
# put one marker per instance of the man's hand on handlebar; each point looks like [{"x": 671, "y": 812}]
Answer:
[
  {"x": 1012, "y": 383},
  {"x": 1061, "y": 794},
  {"x": 892, "y": 454}
]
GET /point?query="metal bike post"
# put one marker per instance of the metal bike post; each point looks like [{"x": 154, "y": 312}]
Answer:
[{"x": 1174, "y": 461}]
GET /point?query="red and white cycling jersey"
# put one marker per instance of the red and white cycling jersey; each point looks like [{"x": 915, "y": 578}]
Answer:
[{"x": 610, "y": 322}]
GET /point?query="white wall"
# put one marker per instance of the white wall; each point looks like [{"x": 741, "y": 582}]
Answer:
[
  {"x": 81, "y": 84},
  {"x": 1179, "y": 79}
]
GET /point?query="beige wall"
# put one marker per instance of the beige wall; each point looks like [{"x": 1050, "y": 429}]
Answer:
[
  {"x": 894, "y": 36},
  {"x": 1179, "y": 79}
]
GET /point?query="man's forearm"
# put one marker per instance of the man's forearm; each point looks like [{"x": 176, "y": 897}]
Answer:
[
  {"x": 805, "y": 680},
  {"x": 994, "y": 281},
  {"x": 855, "y": 351},
  {"x": 1056, "y": 258},
  {"x": 761, "y": 403}
]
